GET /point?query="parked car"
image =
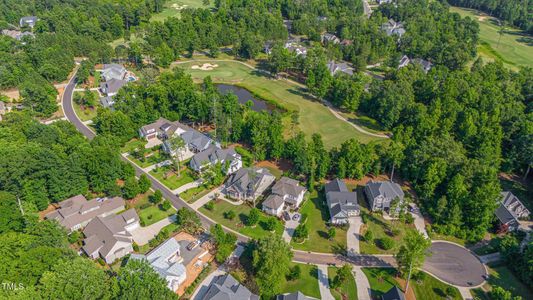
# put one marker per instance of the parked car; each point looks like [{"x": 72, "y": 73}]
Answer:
[
  {"x": 286, "y": 216},
  {"x": 193, "y": 245},
  {"x": 296, "y": 217}
]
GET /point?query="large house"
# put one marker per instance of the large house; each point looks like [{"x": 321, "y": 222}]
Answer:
[
  {"x": 248, "y": 183},
  {"x": 166, "y": 260},
  {"x": 28, "y": 21},
  {"x": 511, "y": 211},
  {"x": 380, "y": 194},
  {"x": 392, "y": 27},
  {"x": 109, "y": 237},
  {"x": 114, "y": 71},
  {"x": 294, "y": 296},
  {"x": 341, "y": 202},
  {"x": 163, "y": 129},
  {"x": 424, "y": 64},
  {"x": 286, "y": 192},
  {"x": 112, "y": 86},
  {"x": 225, "y": 287},
  {"x": 343, "y": 67},
  {"x": 16, "y": 34},
  {"x": 76, "y": 212},
  {"x": 230, "y": 160},
  {"x": 294, "y": 46}
]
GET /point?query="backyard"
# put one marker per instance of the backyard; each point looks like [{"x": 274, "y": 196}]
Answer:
[
  {"x": 513, "y": 48},
  {"x": 152, "y": 157},
  {"x": 317, "y": 217},
  {"x": 431, "y": 288},
  {"x": 148, "y": 212},
  {"x": 348, "y": 290},
  {"x": 241, "y": 213},
  {"x": 314, "y": 117},
  {"x": 381, "y": 280},
  {"x": 307, "y": 283}
]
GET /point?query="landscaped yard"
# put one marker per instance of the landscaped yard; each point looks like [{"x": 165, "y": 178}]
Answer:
[
  {"x": 382, "y": 229},
  {"x": 132, "y": 145},
  {"x": 196, "y": 193},
  {"x": 156, "y": 156},
  {"x": 317, "y": 216},
  {"x": 86, "y": 113},
  {"x": 171, "y": 179},
  {"x": 241, "y": 213},
  {"x": 348, "y": 290},
  {"x": 307, "y": 283},
  {"x": 148, "y": 212},
  {"x": 432, "y": 288},
  {"x": 173, "y": 8},
  {"x": 512, "y": 49},
  {"x": 314, "y": 117},
  {"x": 381, "y": 280}
]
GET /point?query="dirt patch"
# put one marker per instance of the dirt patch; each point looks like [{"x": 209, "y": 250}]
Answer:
[
  {"x": 410, "y": 295},
  {"x": 178, "y": 7},
  {"x": 482, "y": 18},
  {"x": 406, "y": 186},
  {"x": 282, "y": 165},
  {"x": 49, "y": 209},
  {"x": 204, "y": 67},
  {"x": 12, "y": 94}
]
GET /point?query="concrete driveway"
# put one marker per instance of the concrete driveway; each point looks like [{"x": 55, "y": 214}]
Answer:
[
  {"x": 323, "y": 283},
  {"x": 454, "y": 264},
  {"x": 143, "y": 235},
  {"x": 352, "y": 235}
]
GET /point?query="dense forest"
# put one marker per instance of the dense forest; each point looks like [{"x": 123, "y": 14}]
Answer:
[{"x": 515, "y": 12}]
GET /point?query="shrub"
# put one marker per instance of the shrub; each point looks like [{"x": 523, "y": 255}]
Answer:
[
  {"x": 369, "y": 236},
  {"x": 135, "y": 247},
  {"x": 395, "y": 231},
  {"x": 332, "y": 233},
  {"x": 253, "y": 217},
  {"x": 451, "y": 291},
  {"x": 165, "y": 205},
  {"x": 230, "y": 215},
  {"x": 101, "y": 261},
  {"x": 270, "y": 224},
  {"x": 156, "y": 197},
  {"x": 386, "y": 243},
  {"x": 409, "y": 219},
  {"x": 364, "y": 218},
  {"x": 74, "y": 237},
  {"x": 145, "y": 206},
  {"x": 210, "y": 205},
  {"x": 294, "y": 273}
]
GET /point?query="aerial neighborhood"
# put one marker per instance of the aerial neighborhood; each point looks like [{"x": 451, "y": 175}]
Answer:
[{"x": 246, "y": 150}]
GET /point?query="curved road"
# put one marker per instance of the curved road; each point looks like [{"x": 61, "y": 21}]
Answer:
[{"x": 442, "y": 254}]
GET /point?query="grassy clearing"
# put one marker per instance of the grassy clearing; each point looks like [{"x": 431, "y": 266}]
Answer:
[
  {"x": 132, "y": 145},
  {"x": 314, "y": 117},
  {"x": 307, "y": 283},
  {"x": 432, "y": 288},
  {"x": 346, "y": 291},
  {"x": 155, "y": 157},
  {"x": 154, "y": 213},
  {"x": 514, "y": 49},
  {"x": 171, "y": 179},
  {"x": 86, "y": 113},
  {"x": 237, "y": 224},
  {"x": 173, "y": 8},
  {"x": 381, "y": 280},
  {"x": 317, "y": 217},
  {"x": 500, "y": 275},
  {"x": 194, "y": 194}
]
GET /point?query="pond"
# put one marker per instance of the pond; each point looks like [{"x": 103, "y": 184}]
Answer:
[{"x": 244, "y": 96}]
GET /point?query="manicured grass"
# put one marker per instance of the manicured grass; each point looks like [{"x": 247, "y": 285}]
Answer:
[
  {"x": 381, "y": 280},
  {"x": 348, "y": 290},
  {"x": 172, "y": 181},
  {"x": 156, "y": 157},
  {"x": 132, "y": 145},
  {"x": 382, "y": 228},
  {"x": 241, "y": 212},
  {"x": 314, "y": 117},
  {"x": 432, "y": 288},
  {"x": 436, "y": 236},
  {"x": 317, "y": 217},
  {"x": 307, "y": 283},
  {"x": 88, "y": 113},
  {"x": 500, "y": 275},
  {"x": 513, "y": 47},
  {"x": 194, "y": 194},
  {"x": 173, "y": 8},
  {"x": 154, "y": 213}
]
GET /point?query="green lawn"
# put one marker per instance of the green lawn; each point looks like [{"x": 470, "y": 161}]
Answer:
[
  {"x": 432, "y": 288},
  {"x": 153, "y": 214},
  {"x": 156, "y": 157},
  {"x": 500, "y": 275},
  {"x": 86, "y": 114},
  {"x": 381, "y": 280},
  {"x": 513, "y": 49},
  {"x": 317, "y": 216},
  {"x": 241, "y": 212},
  {"x": 314, "y": 117},
  {"x": 194, "y": 194},
  {"x": 307, "y": 283},
  {"x": 132, "y": 145},
  {"x": 346, "y": 291},
  {"x": 172, "y": 180},
  {"x": 173, "y": 8},
  {"x": 382, "y": 228}
]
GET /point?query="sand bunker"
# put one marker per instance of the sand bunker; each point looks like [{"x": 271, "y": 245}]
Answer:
[
  {"x": 204, "y": 67},
  {"x": 178, "y": 7}
]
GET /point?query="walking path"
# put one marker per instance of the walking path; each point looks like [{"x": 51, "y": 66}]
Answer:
[
  {"x": 188, "y": 186},
  {"x": 420, "y": 224},
  {"x": 353, "y": 236},
  {"x": 323, "y": 283},
  {"x": 363, "y": 286},
  {"x": 465, "y": 293},
  {"x": 493, "y": 257},
  {"x": 336, "y": 113},
  {"x": 143, "y": 235}
]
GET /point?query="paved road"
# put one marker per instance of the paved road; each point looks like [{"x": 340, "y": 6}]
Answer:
[
  {"x": 454, "y": 264},
  {"x": 450, "y": 263}
]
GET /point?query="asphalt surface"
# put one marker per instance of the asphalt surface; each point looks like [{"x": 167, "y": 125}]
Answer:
[
  {"x": 449, "y": 262},
  {"x": 454, "y": 264}
]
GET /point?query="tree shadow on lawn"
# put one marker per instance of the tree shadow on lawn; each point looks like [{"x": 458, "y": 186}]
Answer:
[
  {"x": 302, "y": 92},
  {"x": 243, "y": 218},
  {"x": 525, "y": 40},
  {"x": 322, "y": 234},
  {"x": 339, "y": 249},
  {"x": 439, "y": 292}
]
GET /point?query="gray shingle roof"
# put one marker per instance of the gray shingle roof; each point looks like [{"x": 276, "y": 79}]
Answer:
[
  {"x": 159, "y": 259},
  {"x": 246, "y": 180},
  {"x": 387, "y": 189},
  {"x": 113, "y": 71},
  {"x": 339, "y": 199},
  {"x": 273, "y": 202},
  {"x": 293, "y": 296},
  {"x": 393, "y": 294},
  {"x": 287, "y": 186},
  {"x": 225, "y": 287},
  {"x": 112, "y": 86},
  {"x": 336, "y": 185},
  {"x": 213, "y": 155}
]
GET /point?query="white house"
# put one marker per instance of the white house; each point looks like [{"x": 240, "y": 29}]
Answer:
[
  {"x": 286, "y": 192},
  {"x": 230, "y": 160}
]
